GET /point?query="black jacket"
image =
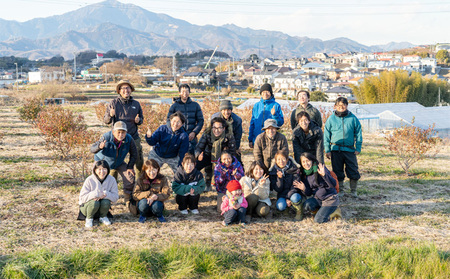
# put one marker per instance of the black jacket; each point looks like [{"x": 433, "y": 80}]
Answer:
[
  {"x": 193, "y": 113},
  {"x": 311, "y": 142},
  {"x": 284, "y": 186},
  {"x": 237, "y": 127},
  {"x": 126, "y": 111},
  {"x": 205, "y": 143}
]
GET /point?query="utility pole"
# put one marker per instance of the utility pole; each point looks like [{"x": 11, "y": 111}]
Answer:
[
  {"x": 173, "y": 71},
  {"x": 17, "y": 77},
  {"x": 106, "y": 74},
  {"x": 74, "y": 66}
]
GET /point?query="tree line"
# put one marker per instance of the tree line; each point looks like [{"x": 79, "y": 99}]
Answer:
[{"x": 401, "y": 86}]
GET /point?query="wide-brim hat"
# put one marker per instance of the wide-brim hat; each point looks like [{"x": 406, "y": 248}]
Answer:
[
  {"x": 122, "y": 82},
  {"x": 270, "y": 123}
]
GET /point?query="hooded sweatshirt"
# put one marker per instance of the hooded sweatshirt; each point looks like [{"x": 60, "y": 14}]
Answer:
[{"x": 93, "y": 188}]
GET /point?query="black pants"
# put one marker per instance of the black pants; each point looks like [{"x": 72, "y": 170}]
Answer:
[
  {"x": 341, "y": 158},
  {"x": 233, "y": 215},
  {"x": 187, "y": 201}
]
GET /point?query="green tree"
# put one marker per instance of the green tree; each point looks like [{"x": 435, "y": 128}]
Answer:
[
  {"x": 318, "y": 96},
  {"x": 442, "y": 55},
  {"x": 399, "y": 86}
]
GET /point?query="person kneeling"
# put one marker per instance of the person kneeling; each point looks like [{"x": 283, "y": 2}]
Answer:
[
  {"x": 188, "y": 184},
  {"x": 151, "y": 191},
  {"x": 98, "y": 192},
  {"x": 234, "y": 205}
]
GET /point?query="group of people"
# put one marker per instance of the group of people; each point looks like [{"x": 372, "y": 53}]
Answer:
[{"x": 302, "y": 183}]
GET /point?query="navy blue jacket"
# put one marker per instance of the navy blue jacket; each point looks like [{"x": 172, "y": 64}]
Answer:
[
  {"x": 169, "y": 144},
  {"x": 323, "y": 187},
  {"x": 113, "y": 156},
  {"x": 237, "y": 126},
  {"x": 193, "y": 113}
]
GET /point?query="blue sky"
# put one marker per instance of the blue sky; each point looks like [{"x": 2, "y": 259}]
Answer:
[{"x": 367, "y": 22}]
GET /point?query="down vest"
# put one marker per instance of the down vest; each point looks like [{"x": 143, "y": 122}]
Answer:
[{"x": 193, "y": 113}]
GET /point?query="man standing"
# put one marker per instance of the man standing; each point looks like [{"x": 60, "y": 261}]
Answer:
[
  {"x": 265, "y": 109},
  {"x": 343, "y": 141},
  {"x": 234, "y": 123},
  {"x": 304, "y": 105},
  {"x": 193, "y": 113},
  {"x": 113, "y": 147},
  {"x": 125, "y": 108}
]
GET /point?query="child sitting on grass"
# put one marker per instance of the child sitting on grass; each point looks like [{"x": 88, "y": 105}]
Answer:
[
  {"x": 282, "y": 175},
  {"x": 234, "y": 205},
  {"x": 228, "y": 168},
  {"x": 188, "y": 184}
]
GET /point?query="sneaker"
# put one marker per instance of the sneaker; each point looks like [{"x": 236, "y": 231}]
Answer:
[
  {"x": 89, "y": 223},
  {"x": 142, "y": 219},
  {"x": 184, "y": 212},
  {"x": 195, "y": 211},
  {"x": 162, "y": 219},
  {"x": 105, "y": 220},
  {"x": 224, "y": 224}
]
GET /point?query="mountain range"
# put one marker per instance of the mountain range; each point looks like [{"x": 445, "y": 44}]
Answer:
[{"x": 133, "y": 30}]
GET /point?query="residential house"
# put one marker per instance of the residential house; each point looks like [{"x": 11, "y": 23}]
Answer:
[
  {"x": 47, "y": 74},
  {"x": 196, "y": 78},
  {"x": 339, "y": 91}
]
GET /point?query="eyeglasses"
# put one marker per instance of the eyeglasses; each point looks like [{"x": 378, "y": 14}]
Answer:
[{"x": 217, "y": 128}]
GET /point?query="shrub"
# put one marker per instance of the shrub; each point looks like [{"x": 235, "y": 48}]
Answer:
[
  {"x": 100, "y": 110},
  {"x": 250, "y": 89},
  {"x": 67, "y": 138},
  {"x": 411, "y": 144},
  {"x": 30, "y": 110},
  {"x": 154, "y": 116}
]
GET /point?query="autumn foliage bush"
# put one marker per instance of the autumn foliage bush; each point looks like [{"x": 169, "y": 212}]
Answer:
[
  {"x": 411, "y": 144},
  {"x": 100, "y": 110},
  {"x": 154, "y": 116},
  {"x": 30, "y": 109},
  {"x": 67, "y": 138}
]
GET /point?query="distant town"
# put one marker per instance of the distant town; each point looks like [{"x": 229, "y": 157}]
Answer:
[{"x": 331, "y": 74}]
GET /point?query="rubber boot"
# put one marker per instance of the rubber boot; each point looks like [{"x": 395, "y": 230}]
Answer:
[
  {"x": 298, "y": 211},
  {"x": 341, "y": 188},
  {"x": 336, "y": 214},
  {"x": 353, "y": 184}
]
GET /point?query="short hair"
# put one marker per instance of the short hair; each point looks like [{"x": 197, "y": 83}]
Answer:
[
  {"x": 341, "y": 100},
  {"x": 226, "y": 152},
  {"x": 281, "y": 153},
  {"x": 301, "y": 114},
  {"x": 180, "y": 115},
  {"x": 221, "y": 120},
  {"x": 305, "y": 91},
  {"x": 189, "y": 157},
  {"x": 184, "y": 85},
  {"x": 101, "y": 163},
  {"x": 252, "y": 167}
]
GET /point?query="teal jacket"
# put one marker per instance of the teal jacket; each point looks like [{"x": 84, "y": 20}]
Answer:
[{"x": 342, "y": 133}]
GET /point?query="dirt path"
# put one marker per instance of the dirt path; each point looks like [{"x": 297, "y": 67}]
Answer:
[{"x": 38, "y": 208}]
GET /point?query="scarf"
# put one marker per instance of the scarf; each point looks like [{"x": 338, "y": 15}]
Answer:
[
  {"x": 312, "y": 170},
  {"x": 230, "y": 125},
  {"x": 341, "y": 114},
  {"x": 283, "y": 170},
  {"x": 217, "y": 143},
  {"x": 118, "y": 143},
  {"x": 234, "y": 199}
]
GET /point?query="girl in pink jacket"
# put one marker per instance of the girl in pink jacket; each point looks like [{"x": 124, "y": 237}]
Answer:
[{"x": 234, "y": 205}]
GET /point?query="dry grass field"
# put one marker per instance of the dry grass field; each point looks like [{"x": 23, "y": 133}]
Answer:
[{"x": 39, "y": 206}]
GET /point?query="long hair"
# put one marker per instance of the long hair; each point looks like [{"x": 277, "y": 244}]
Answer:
[{"x": 252, "y": 167}]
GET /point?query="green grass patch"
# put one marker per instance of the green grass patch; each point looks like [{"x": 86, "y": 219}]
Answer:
[
  {"x": 15, "y": 160},
  {"x": 7, "y": 182},
  {"x": 386, "y": 258}
]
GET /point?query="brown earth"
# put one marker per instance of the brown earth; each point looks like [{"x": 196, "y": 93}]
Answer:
[{"x": 38, "y": 206}]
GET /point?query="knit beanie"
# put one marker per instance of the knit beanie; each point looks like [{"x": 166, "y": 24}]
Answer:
[
  {"x": 233, "y": 185},
  {"x": 266, "y": 87},
  {"x": 225, "y": 104}
]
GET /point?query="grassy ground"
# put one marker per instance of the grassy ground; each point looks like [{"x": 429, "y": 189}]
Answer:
[{"x": 397, "y": 227}]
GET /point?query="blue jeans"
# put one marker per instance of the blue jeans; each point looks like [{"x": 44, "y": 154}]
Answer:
[
  {"x": 156, "y": 209},
  {"x": 323, "y": 213},
  {"x": 281, "y": 202},
  {"x": 234, "y": 215}
]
